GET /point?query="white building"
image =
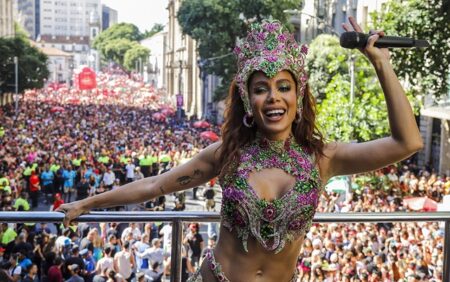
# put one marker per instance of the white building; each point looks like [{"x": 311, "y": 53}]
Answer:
[
  {"x": 182, "y": 71},
  {"x": 67, "y": 17},
  {"x": 154, "y": 69},
  {"x": 59, "y": 64},
  {"x": 6, "y": 18},
  {"x": 315, "y": 17}
]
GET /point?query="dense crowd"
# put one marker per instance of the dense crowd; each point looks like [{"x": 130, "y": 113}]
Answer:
[{"x": 67, "y": 144}]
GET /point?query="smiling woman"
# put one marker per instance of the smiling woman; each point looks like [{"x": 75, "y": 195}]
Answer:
[{"x": 272, "y": 161}]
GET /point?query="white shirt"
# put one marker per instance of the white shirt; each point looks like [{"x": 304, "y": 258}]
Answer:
[
  {"x": 167, "y": 236},
  {"x": 136, "y": 233},
  {"x": 130, "y": 170},
  {"x": 105, "y": 263},
  {"x": 123, "y": 263},
  {"x": 108, "y": 178}
]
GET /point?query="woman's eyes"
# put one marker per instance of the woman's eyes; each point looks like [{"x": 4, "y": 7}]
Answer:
[{"x": 281, "y": 88}]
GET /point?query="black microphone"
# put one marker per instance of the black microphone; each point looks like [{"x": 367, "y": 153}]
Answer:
[{"x": 353, "y": 39}]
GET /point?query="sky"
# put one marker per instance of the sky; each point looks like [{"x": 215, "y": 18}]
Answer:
[{"x": 143, "y": 13}]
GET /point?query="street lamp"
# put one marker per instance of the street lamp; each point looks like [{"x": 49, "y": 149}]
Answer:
[{"x": 16, "y": 95}]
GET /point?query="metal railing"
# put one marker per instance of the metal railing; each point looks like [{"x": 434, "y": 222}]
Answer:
[{"x": 177, "y": 219}]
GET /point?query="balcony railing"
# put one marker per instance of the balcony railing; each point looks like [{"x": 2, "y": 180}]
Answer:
[{"x": 177, "y": 219}]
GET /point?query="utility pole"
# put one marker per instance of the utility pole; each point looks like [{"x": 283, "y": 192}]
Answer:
[
  {"x": 16, "y": 95},
  {"x": 352, "y": 88}
]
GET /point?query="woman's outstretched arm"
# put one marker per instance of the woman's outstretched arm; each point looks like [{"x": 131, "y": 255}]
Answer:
[
  {"x": 197, "y": 171},
  {"x": 405, "y": 139}
]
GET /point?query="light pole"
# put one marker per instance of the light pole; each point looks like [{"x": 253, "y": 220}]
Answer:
[
  {"x": 352, "y": 88},
  {"x": 16, "y": 95}
]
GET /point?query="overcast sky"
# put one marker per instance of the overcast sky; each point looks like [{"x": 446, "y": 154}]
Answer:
[{"x": 143, "y": 13}]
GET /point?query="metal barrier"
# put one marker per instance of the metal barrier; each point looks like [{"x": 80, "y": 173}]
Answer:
[{"x": 177, "y": 218}]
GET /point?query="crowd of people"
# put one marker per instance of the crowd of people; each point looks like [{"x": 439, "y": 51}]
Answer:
[{"x": 65, "y": 144}]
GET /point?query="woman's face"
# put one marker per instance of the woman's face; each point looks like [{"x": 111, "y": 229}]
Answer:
[{"x": 274, "y": 103}]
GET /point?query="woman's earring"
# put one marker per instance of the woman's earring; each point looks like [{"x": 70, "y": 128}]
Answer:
[{"x": 245, "y": 122}]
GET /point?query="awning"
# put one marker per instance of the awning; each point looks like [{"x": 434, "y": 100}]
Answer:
[{"x": 439, "y": 112}]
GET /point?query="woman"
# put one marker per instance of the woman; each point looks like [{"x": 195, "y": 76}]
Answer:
[{"x": 272, "y": 161}]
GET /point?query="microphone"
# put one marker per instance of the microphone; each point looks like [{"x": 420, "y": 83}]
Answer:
[{"x": 353, "y": 39}]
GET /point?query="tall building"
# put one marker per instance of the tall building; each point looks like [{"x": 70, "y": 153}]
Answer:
[
  {"x": 182, "y": 72},
  {"x": 109, "y": 17},
  {"x": 26, "y": 16},
  {"x": 6, "y": 18},
  {"x": 67, "y": 17}
]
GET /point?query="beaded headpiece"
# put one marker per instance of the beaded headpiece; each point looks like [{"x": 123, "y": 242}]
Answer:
[{"x": 269, "y": 48}]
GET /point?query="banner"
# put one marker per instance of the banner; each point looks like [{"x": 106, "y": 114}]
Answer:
[{"x": 87, "y": 79}]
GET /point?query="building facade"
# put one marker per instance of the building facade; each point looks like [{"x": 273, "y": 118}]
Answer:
[
  {"x": 181, "y": 68},
  {"x": 315, "y": 17},
  {"x": 67, "y": 17},
  {"x": 6, "y": 18},
  {"x": 155, "y": 69},
  {"x": 109, "y": 17},
  {"x": 26, "y": 16}
]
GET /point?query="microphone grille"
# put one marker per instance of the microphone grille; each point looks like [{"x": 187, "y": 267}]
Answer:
[{"x": 350, "y": 39}]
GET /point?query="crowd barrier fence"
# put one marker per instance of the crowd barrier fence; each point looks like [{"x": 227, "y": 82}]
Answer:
[{"x": 177, "y": 219}]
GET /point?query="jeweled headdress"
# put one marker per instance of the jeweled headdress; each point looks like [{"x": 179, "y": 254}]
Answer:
[{"x": 269, "y": 48}]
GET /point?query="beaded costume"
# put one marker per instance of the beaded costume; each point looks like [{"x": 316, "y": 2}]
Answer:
[{"x": 271, "y": 223}]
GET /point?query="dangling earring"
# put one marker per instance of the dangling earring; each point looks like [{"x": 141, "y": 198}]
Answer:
[
  {"x": 298, "y": 116},
  {"x": 244, "y": 121}
]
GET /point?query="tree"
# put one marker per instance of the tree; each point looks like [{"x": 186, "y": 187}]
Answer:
[
  {"x": 365, "y": 118},
  {"x": 157, "y": 27},
  {"x": 114, "y": 42},
  {"x": 32, "y": 65},
  {"x": 427, "y": 69},
  {"x": 133, "y": 55},
  {"x": 216, "y": 25}
]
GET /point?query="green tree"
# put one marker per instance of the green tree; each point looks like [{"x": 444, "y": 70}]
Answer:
[
  {"x": 133, "y": 55},
  {"x": 426, "y": 69},
  {"x": 157, "y": 27},
  {"x": 114, "y": 42},
  {"x": 363, "y": 119},
  {"x": 32, "y": 64},
  {"x": 216, "y": 25}
]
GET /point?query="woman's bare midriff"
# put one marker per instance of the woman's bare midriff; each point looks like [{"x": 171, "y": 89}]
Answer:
[{"x": 258, "y": 265}]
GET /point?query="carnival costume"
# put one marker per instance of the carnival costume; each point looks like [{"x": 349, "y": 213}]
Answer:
[{"x": 268, "y": 48}]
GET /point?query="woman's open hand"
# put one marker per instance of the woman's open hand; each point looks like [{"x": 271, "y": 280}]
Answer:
[
  {"x": 374, "y": 54},
  {"x": 71, "y": 211}
]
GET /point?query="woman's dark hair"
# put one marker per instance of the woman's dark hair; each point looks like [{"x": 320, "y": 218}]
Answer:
[{"x": 235, "y": 134}]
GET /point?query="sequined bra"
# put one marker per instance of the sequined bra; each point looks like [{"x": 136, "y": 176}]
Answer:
[{"x": 272, "y": 223}]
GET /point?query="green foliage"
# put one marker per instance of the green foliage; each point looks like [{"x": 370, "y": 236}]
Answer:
[
  {"x": 426, "y": 69},
  {"x": 364, "y": 119},
  {"x": 325, "y": 59},
  {"x": 155, "y": 29},
  {"x": 216, "y": 25},
  {"x": 114, "y": 42},
  {"x": 133, "y": 55},
  {"x": 32, "y": 65}
]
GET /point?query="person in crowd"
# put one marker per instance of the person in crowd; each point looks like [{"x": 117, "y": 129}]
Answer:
[
  {"x": 139, "y": 247},
  {"x": 32, "y": 274},
  {"x": 272, "y": 160},
  {"x": 75, "y": 273},
  {"x": 124, "y": 262},
  {"x": 154, "y": 254},
  {"x": 106, "y": 261},
  {"x": 195, "y": 242},
  {"x": 47, "y": 178}
]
